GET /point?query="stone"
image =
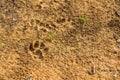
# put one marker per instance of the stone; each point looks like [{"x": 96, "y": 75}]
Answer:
[
  {"x": 118, "y": 13},
  {"x": 118, "y": 45},
  {"x": 90, "y": 72},
  {"x": 115, "y": 75},
  {"x": 118, "y": 40},
  {"x": 29, "y": 78}
]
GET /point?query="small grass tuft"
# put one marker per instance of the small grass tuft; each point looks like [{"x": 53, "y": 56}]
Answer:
[
  {"x": 83, "y": 19},
  {"x": 50, "y": 36},
  {"x": 77, "y": 47}
]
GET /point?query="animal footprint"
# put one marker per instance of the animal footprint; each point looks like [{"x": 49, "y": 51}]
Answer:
[{"x": 37, "y": 47}]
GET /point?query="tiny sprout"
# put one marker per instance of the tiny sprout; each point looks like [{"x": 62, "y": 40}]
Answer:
[
  {"x": 50, "y": 36},
  {"x": 77, "y": 47},
  {"x": 83, "y": 19}
]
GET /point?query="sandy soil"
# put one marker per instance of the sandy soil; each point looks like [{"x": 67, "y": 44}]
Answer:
[{"x": 47, "y": 40}]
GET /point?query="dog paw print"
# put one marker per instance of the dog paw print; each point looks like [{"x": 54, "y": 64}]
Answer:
[{"x": 37, "y": 48}]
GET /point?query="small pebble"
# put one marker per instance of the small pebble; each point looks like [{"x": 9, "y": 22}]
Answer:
[
  {"x": 104, "y": 69},
  {"x": 118, "y": 40},
  {"x": 118, "y": 45},
  {"x": 115, "y": 75},
  {"x": 90, "y": 72},
  {"x": 29, "y": 78},
  {"x": 118, "y": 13}
]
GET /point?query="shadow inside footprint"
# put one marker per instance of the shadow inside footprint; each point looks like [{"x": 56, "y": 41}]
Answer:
[
  {"x": 42, "y": 45},
  {"x": 36, "y": 44},
  {"x": 39, "y": 53},
  {"x": 31, "y": 47}
]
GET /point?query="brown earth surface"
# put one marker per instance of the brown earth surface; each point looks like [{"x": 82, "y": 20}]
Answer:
[{"x": 47, "y": 40}]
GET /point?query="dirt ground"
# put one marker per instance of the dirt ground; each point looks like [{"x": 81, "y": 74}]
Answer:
[{"x": 48, "y": 40}]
